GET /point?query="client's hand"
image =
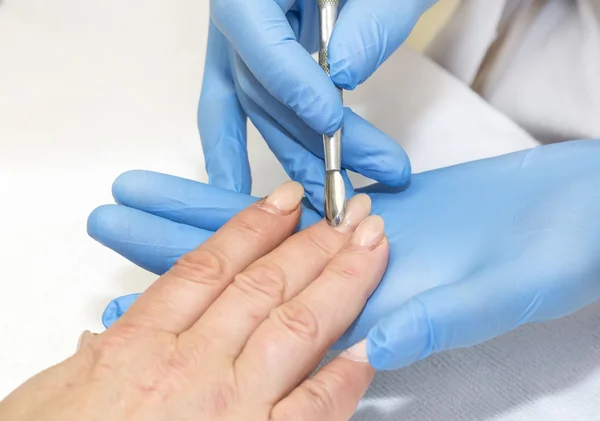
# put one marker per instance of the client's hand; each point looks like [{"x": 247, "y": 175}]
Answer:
[
  {"x": 476, "y": 249},
  {"x": 232, "y": 331}
]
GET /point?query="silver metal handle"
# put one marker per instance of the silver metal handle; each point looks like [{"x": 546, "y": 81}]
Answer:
[
  {"x": 335, "y": 189},
  {"x": 328, "y": 14}
]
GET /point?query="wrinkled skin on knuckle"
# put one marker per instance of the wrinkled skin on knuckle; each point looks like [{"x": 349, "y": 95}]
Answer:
[
  {"x": 347, "y": 270},
  {"x": 297, "y": 321},
  {"x": 253, "y": 228},
  {"x": 136, "y": 358},
  {"x": 265, "y": 281},
  {"x": 110, "y": 344},
  {"x": 321, "y": 241},
  {"x": 221, "y": 399},
  {"x": 319, "y": 397},
  {"x": 203, "y": 266}
]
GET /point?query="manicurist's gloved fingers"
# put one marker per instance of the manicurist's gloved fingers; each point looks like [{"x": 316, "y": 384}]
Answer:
[
  {"x": 182, "y": 295},
  {"x": 222, "y": 121},
  {"x": 149, "y": 241},
  {"x": 475, "y": 310},
  {"x": 116, "y": 308},
  {"x": 260, "y": 33},
  {"x": 365, "y": 149},
  {"x": 182, "y": 200},
  {"x": 367, "y": 33},
  {"x": 299, "y": 163},
  {"x": 155, "y": 240}
]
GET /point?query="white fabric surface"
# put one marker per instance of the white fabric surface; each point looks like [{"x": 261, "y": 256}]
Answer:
[
  {"x": 548, "y": 78},
  {"x": 91, "y": 89}
]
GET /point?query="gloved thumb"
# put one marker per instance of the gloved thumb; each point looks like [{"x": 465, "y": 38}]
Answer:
[
  {"x": 457, "y": 315},
  {"x": 367, "y": 33}
]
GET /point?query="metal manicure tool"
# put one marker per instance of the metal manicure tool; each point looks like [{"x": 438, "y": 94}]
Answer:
[{"x": 335, "y": 189}]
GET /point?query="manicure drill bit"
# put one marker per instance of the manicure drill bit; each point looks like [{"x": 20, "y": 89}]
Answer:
[{"x": 335, "y": 189}]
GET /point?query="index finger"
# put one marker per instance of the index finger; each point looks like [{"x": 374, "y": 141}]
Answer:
[
  {"x": 262, "y": 36},
  {"x": 177, "y": 299}
]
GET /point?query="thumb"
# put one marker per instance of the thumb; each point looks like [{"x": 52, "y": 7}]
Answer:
[
  {"x": 452, "y": 316},
  {"x": 367, "y": 33}
]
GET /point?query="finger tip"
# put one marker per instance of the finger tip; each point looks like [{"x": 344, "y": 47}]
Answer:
[
  {"x": 101, "y": 220},
  {"x": 343, "y": 77},
  {"x": 348, "y": 66},
  {"x": 398, "y": 175},
  {"x": 330, "y": 118},
  {"x": 381, "y": 158},
  {"x": 109, "y": 316},
  {"x": 390, "y": 165},
  {"x": 378, "y": 355},
  {"x": 127, "y": 182},
  {"x": 319, "y": 104},
  {"x": 111, "y": 225},
  {"x": 116, "y": 308}
]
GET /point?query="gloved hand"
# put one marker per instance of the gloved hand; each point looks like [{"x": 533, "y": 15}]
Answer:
[
  {"x": 258, "y": 65},
  {"x": 476, "y": 249}
]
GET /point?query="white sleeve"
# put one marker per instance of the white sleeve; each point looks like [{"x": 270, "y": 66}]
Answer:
[{"x": 544, "y": 75}]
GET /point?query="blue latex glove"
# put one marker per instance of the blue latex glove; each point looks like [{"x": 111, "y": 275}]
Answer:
[
  {"x": 258, "y": 65},
  {"x": 476, "y": 249}
]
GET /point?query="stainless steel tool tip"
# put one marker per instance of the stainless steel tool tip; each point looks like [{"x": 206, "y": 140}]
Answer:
[{"x": 335, "y": 198}]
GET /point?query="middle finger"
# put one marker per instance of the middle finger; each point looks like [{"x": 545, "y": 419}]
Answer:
[
  {"x": 286, "y": 347},
  {"x": 273, "y": 280},
  {"x": 182, "y": 295}
]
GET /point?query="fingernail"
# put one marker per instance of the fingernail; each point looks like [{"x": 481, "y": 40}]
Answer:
[
  {"x": 284, "y": 200},
  {"x": 357, "y": 209},
  {"x": 357, "y": 353},
  {"x": 370, "y": 232},
  {"x": 85, "y": 339}
]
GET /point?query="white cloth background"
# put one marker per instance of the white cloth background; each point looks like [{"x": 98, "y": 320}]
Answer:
[
  {"x": 92, "y": 89},
  {"x": 547, "y": 74}
]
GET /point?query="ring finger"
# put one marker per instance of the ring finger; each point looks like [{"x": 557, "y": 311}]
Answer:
[
  {"x": 286, "y": 347},
  {"x": 273, "y": 280}
]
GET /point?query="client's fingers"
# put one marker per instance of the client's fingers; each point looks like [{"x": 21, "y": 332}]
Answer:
[
  {"x": 180, "y": 297},
  {"x": 331, "y": 394},
  {"x": 273, "y": 280},
  {"x": 86, "y": 339},
  {"x": 288, "y": 344}
]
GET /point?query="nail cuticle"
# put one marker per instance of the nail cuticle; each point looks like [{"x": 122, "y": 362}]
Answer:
[{"x": 284, "y": 200}]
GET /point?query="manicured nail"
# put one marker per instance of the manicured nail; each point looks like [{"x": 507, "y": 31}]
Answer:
[
  {"x": 370, "y": 232},
  {"x": 284, "y": 200},
  {"x": 84, "y": 339},
  {"x": 357, "y": 209},
  {"x": 357, "y": 352}
]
